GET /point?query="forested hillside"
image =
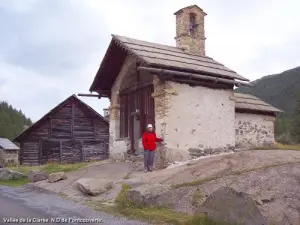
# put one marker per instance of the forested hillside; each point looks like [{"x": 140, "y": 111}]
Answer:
[
  {"x": 12, "y": 121},
  {"x": 282, "y": 91}
]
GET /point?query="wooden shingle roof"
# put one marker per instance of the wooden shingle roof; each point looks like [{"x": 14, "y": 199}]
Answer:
[
  {"x": 156, "y": 56},
  {"x": 54, "y": 110},
  {"x": 252, "y": 103}
]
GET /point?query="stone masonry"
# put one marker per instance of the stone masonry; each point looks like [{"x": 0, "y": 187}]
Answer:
[
  {"x": 254, "y": 130},
  {"x": 9, "y": 156},
  {"x": 200, "y": 120},
  {"x": 117, "y": 146},
  {"x": 193, "y": 42}
]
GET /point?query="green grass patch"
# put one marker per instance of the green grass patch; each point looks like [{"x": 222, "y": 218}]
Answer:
[
  {"x": 196, "y": 182},
  {"x": 54, "y": 167},
  {"x": 14, "y": 183},
  {"x": 48, "y": 168},
  {"x": 127, "y": 176},
  {"x": 279, "y": 146}
]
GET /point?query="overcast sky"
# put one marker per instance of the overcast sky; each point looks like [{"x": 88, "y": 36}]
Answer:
[{"x": 51, "y": 49}]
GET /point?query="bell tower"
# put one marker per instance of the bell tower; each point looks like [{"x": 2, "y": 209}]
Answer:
[{"x": 190, "y": 29}]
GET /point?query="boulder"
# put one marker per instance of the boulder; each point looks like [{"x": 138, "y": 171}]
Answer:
[
  {"x": 133, "y": 182},
  {"x": 54, "y": 177},
  {"x": 149, "y": 195},
  {"x": 35, "y": 175},
  {"x": 94, "y": 187},
  {"x": 229, "y": 206},
  {"x": 6, "y": 174}
]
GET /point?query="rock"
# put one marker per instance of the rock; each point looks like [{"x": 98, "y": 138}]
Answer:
[
  {"x": 94, "y": 186},
  {"x": 54, "y": 177},
  {"x": 149, "y": 195},
  {"x": 228, "y": 205},
  {"x": 35, "y": 175},
  {"x": 258, "y": 202},
  {"x": 6, "y": 174},
  {"x": 133, "y": 182}
]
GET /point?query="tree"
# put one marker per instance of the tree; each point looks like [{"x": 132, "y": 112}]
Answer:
[
  {"x": 296, "y": 121},
  {"x": 12, "y": 121}
]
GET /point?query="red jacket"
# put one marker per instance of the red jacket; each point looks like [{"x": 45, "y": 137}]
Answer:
[{"x": 149, "y": 141}]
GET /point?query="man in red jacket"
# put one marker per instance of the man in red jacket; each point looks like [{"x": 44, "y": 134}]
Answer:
[{"x": 149, "y": 140}]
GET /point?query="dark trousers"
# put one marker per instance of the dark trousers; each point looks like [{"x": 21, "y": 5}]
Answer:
[{"x": 149, "y": 159}]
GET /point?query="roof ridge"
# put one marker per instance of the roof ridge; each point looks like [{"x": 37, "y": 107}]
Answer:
[
  {"x": 54, "y": 110},
  {"x": 150, "y": 42}
]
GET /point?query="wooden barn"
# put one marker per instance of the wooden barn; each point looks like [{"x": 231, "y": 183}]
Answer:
[{"x": 71, "y": 132}]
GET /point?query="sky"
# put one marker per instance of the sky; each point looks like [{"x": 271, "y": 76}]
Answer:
[{"x": 51, "y": 49}]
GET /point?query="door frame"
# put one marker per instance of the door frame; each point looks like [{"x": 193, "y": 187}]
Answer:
[{"x": 138, "y": 91}]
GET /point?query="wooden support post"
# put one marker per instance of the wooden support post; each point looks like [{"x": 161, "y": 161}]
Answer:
[
  {"x": 82, "y": 152},
  {"x": 50, "y": 128},
  {"x": 20, "y": 153},
  {"x": 94, "y": 125},
  {"x": 60, "y": 151},
  {"x": 72, "y": 120},
  {"x": 40, "y": 153}
]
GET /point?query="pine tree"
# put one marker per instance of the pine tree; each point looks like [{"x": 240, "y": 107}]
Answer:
[
  {"x": 12, "y": 121},
  {"x": 296, "y": 122}
]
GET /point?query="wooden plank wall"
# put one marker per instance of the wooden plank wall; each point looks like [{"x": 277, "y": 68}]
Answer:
[
  {"x": 73, "y": 134},
  {"x": 30, "y": 153}
]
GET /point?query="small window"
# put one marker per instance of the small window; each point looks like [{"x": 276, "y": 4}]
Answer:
[{"x": 192, "y": 23}]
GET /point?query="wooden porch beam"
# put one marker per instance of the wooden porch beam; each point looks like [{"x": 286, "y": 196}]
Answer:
[
  {"x": 194, "y": 76},
  {"x": 135, "y": 87},
  {"x": 89, "y": 95},
  {"x": 203, "y": 83}
]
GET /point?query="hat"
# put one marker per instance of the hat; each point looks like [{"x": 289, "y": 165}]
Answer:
[{"x": 149, "y": 126}]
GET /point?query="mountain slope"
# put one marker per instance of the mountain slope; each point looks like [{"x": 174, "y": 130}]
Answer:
[
  {"x": 281, "y": 90},
  {"x": 12, "y": 121}
]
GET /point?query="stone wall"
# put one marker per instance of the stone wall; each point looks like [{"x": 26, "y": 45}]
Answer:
[
  {"x": 9, "y": 157},
  {"x": 254, "y": 130},
  {"x": 118, "y": 147},
  {"x": 191, "y": 42},
  {"x": 194, "y": 118}
]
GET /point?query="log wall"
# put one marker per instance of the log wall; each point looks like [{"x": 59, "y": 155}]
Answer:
[{"x": 74, "y": 133}]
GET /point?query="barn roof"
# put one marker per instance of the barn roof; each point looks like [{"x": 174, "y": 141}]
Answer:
[
  {"x": 156, "y": 56},
  {"x": 252, "y": 103},
  {"x": 7, "y": 144},
  {"x": 54, "y": 110}
]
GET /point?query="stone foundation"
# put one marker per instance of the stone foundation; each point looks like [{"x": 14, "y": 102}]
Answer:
[
  {"x": 9, "y": 157},
  {"x": 254, "y": 130}
]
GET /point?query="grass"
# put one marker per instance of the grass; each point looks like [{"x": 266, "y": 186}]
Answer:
[
  {"x": 14, "y": 183},
  {"x": 154, "y": 215},
  {"x": 127, "y": 176},
  {"x": 279, "y": 146},
  {"x": 233, "y": 172},
  {"x": 48, "y": 168}
]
